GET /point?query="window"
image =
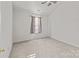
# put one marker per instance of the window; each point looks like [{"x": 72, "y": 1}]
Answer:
[{"x": 36, "y": 26}]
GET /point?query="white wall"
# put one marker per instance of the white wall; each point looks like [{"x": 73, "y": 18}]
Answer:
[
  {"x": 6, "y": 28},
  {"x": 22, "y": 25},
  {"x": 65, "y": 23},
  {"x": 0, "y": 21},
  {"x": 0, "y": 27}
]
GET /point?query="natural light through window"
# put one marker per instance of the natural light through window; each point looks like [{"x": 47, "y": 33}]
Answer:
[{"x": 36, "y": 25}]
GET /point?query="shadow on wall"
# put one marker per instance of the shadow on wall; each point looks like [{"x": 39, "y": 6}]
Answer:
[{"x": 64, "y": 23}]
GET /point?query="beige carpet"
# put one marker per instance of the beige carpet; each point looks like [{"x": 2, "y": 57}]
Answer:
[{"x": 44, "y": 48}]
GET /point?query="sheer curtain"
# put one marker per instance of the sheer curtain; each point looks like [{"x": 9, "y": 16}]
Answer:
[{"x": 36, "y": 26}]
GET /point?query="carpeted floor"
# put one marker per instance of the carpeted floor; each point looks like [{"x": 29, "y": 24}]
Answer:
[{"x": 44, "y": 48}]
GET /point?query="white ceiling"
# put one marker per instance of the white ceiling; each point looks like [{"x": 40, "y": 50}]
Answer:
[{"x": 36, "y": 7}]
